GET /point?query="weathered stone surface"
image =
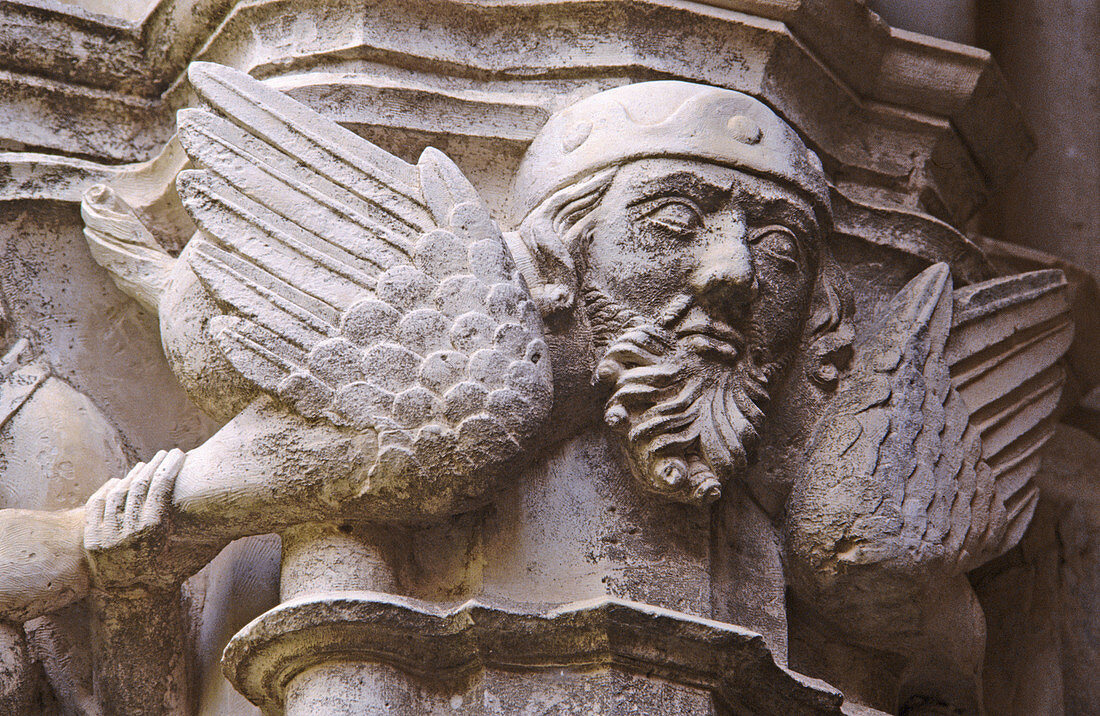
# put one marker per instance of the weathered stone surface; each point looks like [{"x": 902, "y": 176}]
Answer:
[
  {"x": 1040, "y": 598},
  {"x": 273, "y": 661},
  {"x": 546, "y": 356}
]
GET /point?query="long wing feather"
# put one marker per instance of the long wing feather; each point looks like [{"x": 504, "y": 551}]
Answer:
[
  {"x": 360, "y": 289},
  {"x": 280, "y": 247},
  {"x": 1004, "y": 351},
  {"x": 341, "y": 157},
  {"x": 299, "y": 193}
]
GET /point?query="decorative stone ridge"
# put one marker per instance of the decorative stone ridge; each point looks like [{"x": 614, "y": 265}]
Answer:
[
  {"x": 432, "y": 56},
  {"x": 445, "y": 643}
]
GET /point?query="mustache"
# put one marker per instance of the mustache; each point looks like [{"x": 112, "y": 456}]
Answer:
[
  {"x": 687, "y": 395},
  {"x": 683, "y": 321}
]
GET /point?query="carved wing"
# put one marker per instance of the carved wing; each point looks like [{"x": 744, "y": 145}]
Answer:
[
  {"x": 358, "y": 288},
  {"x": 927, "y": 455},
  {"x": 1007, "y": 337}
]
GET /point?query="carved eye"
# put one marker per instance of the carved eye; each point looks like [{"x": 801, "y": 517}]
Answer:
[
  {"x": 779, "y": 243},
  {"x": 679, "y": 217}
]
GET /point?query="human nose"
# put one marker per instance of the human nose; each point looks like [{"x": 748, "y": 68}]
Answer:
[{"x": 726, "y": 276}]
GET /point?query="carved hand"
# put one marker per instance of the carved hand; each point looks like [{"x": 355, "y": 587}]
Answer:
[{"x": 127, "y": 527}]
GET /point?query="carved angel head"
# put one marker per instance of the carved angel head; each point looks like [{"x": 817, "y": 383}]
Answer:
[{"x": 686, "y": 225}]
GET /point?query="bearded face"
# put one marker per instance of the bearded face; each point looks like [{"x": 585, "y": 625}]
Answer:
[{"x": 697, "y": 286}]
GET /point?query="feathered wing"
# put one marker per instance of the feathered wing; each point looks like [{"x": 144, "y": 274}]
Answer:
[
  {"x": 358, "y": 288},
  {"x": 1006, "y": 341},
  {"x": 923, "y": 461}
]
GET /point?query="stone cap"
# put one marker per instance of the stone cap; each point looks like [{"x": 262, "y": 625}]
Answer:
[{"x": 667, "y": 118}]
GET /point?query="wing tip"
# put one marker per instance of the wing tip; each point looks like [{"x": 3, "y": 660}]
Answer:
[
  {"x": 202, "y": 74},
  {"x": 194, "y": 190},
  {"x": 921, "y": 301},
  {"x": 979, "y": 300}
]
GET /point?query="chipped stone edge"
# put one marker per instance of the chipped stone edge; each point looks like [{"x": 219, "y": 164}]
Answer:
[{"x": 427, "y": 640}]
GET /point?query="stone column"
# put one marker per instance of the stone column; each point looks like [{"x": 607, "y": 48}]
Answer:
[
  {"x": 574, "y": 591},
  {"x": 1050, "y": 54}
]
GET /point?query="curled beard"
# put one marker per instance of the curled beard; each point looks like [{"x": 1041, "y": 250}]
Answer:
[{"x": 688, "y": 394}]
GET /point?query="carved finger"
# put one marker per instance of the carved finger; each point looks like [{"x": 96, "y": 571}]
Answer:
[
  {"x": 139, "y": 488},
  {"x": 116, "y": 502},
  {"x": 154, "y": 463},
  {"x": 159, "y": 499},
  {"x": 94, "y": 510}
]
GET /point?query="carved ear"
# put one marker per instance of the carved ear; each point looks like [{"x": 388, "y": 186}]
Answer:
[
  {"x": 831, "y": 332},
  {"x": 552, "y": 276},
  {"x": 550, "y": 235}
]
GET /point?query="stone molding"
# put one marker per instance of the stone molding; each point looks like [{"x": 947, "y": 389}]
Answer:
[
  {"x": 889, "y": 87},
  {"x": 443, "y": 642},
  {"x": 367, "y": 66}
]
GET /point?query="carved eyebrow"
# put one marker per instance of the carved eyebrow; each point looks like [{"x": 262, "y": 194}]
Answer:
[
  {"x": 781, "y": 209},
  {"x": 703, "y": 192}
]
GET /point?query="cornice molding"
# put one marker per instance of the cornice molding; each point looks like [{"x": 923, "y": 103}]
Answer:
[
  {"x": 455, "y": 641},
  {"x": 875, "y": 63},
  {"x": 904, "y": 123}
]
